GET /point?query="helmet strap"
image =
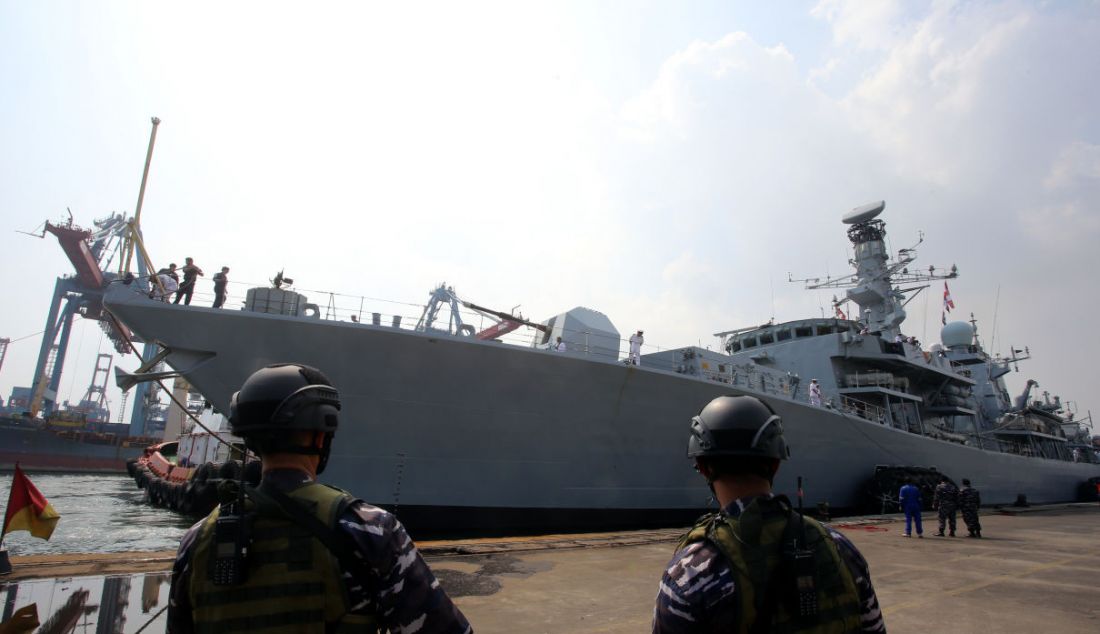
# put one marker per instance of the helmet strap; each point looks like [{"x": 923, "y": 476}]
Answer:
[
  {"x": 323, "y": 452},
  {"x": 269, "y": 445}
]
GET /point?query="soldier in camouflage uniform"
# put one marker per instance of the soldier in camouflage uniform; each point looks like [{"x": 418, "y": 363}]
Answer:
[
  {"x": 969, "y": 502},
  {"x": 317, "y": 559},
  {"x": 946, "y": 500},
  {"x": 733, "y": 571}
]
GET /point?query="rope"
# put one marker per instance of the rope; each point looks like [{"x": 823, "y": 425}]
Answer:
[
  {"x": 26, "y": 336},
  {"x": 79, "y": 349},
  {"x": 182, "y": 406},
  {"x": 151, "y": 619}
]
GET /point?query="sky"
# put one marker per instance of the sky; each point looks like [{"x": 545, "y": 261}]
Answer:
[{"x": 668, "y": 164}]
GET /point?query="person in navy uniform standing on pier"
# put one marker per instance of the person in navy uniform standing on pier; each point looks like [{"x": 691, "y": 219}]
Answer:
[
  {"x": 946, "y": 501},
  {"x": 757, "y": 565}
]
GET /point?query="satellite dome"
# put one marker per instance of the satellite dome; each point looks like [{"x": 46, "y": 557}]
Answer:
[{"x": 957, "y": 333}]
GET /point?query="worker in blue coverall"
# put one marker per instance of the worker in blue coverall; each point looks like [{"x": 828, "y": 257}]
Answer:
[{"x": 909, "y": 499}]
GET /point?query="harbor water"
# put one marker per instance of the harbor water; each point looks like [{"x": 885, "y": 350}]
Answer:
[{"x": 99, "y": 514}]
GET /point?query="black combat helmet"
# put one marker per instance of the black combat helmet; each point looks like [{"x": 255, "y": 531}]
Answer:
[
  {"x": 737, "y": 426},
  {"x": 283, "y": 398}
]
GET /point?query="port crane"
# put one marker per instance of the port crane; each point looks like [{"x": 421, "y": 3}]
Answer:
[{"x": 91, "y": 252}]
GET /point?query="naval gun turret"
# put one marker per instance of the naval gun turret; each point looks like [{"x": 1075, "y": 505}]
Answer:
[{"x": 1022, "y": 400}]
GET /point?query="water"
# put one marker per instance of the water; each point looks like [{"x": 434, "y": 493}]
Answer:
[
  {"x": 99, "y": 514},
  {"x": 123, "y": 604}
]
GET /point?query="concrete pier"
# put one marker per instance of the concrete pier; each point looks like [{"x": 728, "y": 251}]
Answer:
[{"x": 1035, "y": 569}]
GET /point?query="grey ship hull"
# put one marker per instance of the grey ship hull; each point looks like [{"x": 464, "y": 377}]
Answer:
[{"x": 462, "y": 434}]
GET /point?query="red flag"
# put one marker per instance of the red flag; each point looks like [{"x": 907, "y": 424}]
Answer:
[
  {"x": 28, "y": 509},
  {"x": 948, "y": 303}
]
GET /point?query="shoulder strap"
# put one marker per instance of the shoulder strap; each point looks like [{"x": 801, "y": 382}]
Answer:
[
  {"x": 272, "y": 502},
  {"x": 769, "y": 598},
  {"x": 697, "y": 533}
]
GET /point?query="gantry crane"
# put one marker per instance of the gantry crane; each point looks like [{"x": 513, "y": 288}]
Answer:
[{"x": 90, "y": 251}]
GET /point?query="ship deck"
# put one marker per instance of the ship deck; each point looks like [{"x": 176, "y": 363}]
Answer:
[{"x": 1036, "y": 569}]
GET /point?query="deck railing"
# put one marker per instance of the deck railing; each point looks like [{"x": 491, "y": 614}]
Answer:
[{"x": 358, "y": 309}]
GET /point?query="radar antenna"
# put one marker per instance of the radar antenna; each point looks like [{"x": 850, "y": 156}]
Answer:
[{"x": 874, "y": 284}]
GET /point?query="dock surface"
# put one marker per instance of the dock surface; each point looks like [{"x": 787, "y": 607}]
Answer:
[{"x": 1034, "y": 570}]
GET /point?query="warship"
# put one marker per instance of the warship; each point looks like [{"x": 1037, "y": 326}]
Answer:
[{"x": 460, "y": 431}]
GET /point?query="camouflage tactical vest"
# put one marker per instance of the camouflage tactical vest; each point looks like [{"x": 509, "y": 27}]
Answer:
[
  {"x": 294, "y": 583},
  {"x": 754, "y": 543}
]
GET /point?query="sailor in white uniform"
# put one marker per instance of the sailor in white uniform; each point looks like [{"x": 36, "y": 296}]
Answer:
[
  {"x": 815, "y": 392},
  {"x": 169, "y": 286},
  {"x": 636, "y": 342}
]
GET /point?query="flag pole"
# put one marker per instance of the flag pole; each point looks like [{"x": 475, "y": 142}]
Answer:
[
  {"x": 4, "y": 526},
  {"x": 5, "y": 561}
]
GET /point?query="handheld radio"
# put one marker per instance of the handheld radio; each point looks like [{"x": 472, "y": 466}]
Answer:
[
  {"x": 804, "y": 568},
  {"x": 232, "y": 537}
]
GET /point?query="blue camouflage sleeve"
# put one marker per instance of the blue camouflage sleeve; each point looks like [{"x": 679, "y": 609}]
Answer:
[
  {"x": 403, "y": 592},
  {"x": 694, "y": 591},
  {"x": 870, "y": 613},
  {"x": 179, "y": 601}
]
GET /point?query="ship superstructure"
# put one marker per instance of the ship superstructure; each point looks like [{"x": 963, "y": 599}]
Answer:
[{"x": 868, "y": 367}]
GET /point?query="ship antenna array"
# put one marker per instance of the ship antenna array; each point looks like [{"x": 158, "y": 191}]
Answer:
[{"x": 996, "y": 309}]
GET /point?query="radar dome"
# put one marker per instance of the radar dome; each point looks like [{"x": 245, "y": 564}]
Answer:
[{"x": 957, "y": 333}]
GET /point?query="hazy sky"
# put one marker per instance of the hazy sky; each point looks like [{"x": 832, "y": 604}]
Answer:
[{"x": 665, "y": 163}]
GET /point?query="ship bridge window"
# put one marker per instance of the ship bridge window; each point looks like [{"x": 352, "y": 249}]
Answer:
[
  {"x": 804, "y": 332},
  {"x": 749, "y": 342},
  {"x": 825, "y": 330},
  {"x": 783, "y": 335},
  {"x": 734, "y": 346},
  {"x": 766, "y": 338}
]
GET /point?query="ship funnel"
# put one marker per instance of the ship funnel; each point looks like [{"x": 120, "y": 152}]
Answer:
[{"x": 126, "y": 380}]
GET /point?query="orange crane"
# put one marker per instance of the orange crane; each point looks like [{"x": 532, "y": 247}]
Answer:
[{"x": 507, "y": 323}]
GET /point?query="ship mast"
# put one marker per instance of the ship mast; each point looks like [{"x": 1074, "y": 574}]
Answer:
[{"x": 873, "y": 286}]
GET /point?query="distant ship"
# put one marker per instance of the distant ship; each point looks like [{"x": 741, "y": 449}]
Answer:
[
  {"x": 459, "y": 431},
  {"x": 65, "y": 445}
]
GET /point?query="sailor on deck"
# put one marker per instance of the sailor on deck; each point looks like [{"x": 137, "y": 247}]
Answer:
[
  {"x": 167, "y": 287},
  {"x": 168, "y": 283},
  {"x": 815, "y": 392},
  {"x": 636, "y": 341},
  {"x": 191, "y": 271},
  {"x": 221, "y": 280}
]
